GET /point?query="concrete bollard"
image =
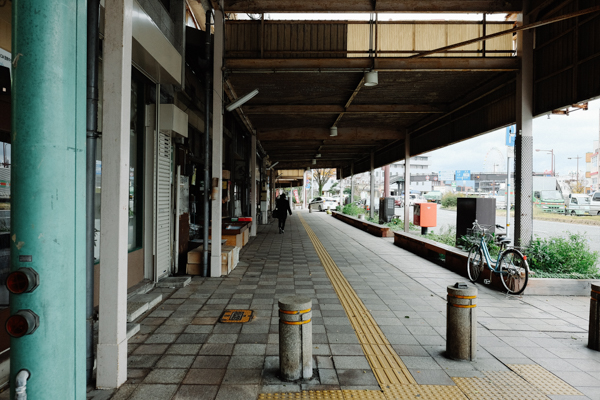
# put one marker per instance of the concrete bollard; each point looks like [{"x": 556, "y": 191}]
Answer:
[
  {"x": 594, "y": 332},
  {"x": 461, "y": 322},
  {"x": 295, "y": 338}
]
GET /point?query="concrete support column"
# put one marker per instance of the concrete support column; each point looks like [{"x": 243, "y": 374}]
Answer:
[
  {"x": 406, "y": 183},
  {"x": 372, "y": 188},
  {"x": 253, "y": 186},
  {"x": 217, "y": 147},
  {"x": 524, "y": 140},
  {"x": 386, "y": 181},
  {"x": 112, "y": 341},
  {"x": 352, "y": 183},
  {"x": 341, "y": 191},
  {"x": 48, "y": 228}
]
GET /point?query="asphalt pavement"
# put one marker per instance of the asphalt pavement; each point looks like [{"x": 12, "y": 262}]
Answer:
[{"x": 543, "y": 229}]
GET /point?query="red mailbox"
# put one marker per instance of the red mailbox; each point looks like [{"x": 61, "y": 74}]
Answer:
[{"x": 425, "y": 215}]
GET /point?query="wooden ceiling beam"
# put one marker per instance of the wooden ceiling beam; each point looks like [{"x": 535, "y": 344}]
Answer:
[
  {"x": 344, "y": 134},
  {"x": 340, "y": 6},
  {"x": 463, "y": 64},
  {"x": 336, "y": 109}
]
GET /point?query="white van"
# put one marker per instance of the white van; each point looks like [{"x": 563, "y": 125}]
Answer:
[
  {"x": 595, "y": 203},
  {"x": 578, "y": 204}
]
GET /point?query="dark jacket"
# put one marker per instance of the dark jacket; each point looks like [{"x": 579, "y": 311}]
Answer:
[{"x": 283, "y": 207}]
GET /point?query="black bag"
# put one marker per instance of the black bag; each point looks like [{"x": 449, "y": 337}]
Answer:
[{"x": 275, "y": 213}]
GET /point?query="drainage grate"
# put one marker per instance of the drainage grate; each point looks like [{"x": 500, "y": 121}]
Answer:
[{"x": 240, "y": 316}]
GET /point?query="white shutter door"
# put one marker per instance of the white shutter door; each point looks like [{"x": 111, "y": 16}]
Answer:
[{"x": 163, "y": 205}]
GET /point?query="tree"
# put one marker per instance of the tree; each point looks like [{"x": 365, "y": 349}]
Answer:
[
  {"x": 578, "y": 186},
  {"x": 321, "y": 176}
]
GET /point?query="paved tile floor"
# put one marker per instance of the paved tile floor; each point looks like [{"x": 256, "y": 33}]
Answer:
[{"x": 182, "y": 352}]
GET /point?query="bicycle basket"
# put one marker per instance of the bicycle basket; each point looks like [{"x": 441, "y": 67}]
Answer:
[{"x": 475, "y": 234}]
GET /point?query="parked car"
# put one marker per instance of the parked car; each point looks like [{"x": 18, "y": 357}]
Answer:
[
  {"x": 323, "y": 203},
  {"x": 398, "y": 201},
  {"x": 577, "y": 204},
  {"x": 434, "y": 196},
  {"x": 595, "y": 203}
]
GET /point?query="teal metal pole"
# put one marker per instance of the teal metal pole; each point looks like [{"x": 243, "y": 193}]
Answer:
[{"x": 48, "y": 192}]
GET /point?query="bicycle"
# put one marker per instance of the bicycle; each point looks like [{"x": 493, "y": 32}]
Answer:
[{"x": 511, "y": 264}]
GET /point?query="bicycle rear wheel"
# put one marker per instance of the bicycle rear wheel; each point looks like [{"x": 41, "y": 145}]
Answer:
[
  {"x": 513, "y": 271},
  {"x": 475, "y": 263}
]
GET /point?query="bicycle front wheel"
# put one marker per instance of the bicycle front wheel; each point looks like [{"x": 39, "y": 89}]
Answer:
[
  {"x": 513, "y": 271},
  {"x": 475, "y": 263}
]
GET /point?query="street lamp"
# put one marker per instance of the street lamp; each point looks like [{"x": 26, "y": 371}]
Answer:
[
  {"x": 551, "y": 151},
  {"x": 576, "y": 158}
]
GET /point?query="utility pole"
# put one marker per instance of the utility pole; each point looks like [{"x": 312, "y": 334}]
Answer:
[{"x": 577, "y": 182}]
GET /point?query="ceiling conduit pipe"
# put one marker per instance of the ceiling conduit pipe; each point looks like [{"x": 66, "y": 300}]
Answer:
[
  {"x": 208, "y": 91},
  {"x": 93, "y": 14}
]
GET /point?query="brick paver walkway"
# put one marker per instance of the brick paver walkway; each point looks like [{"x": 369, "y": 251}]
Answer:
[{"x": 182, "y": 352}]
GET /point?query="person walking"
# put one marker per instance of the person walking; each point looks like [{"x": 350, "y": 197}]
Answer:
[{"x": 283, "y": 207}]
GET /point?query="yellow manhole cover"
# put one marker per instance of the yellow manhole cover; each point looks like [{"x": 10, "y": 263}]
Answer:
[{"x": 239, "y": 316}]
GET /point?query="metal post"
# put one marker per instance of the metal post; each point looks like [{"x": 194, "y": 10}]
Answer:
[
  {"x": 524, "y": 140},
  {"x": 217, "y": 146},
  {"x": 93, "y": 14},
  {"x": 112, "y": 335},
  {"x": 351, "y": 183},
  {"x": 406, "y": 183},
  {"x": 253, "y": 185},
  {"x": 372, "y": 188},
  {"x": 48, "y": 195},
  {"x": 508, "y": 149}
]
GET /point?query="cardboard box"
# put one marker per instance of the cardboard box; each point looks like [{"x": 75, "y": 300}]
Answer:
[
  {"x": 193, "y": 269},
  {"x": 226, "y": 175},
  {"x": 226, "y": 260},
  {"x": 246, "y": 237},
  {"x": 195, "y": 256}
]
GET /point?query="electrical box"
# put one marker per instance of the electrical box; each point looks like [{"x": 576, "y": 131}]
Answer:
[
  {"x": 173, "y": 119},
  {"x": 470, "y": 209},
  {"x": 386, "y": 209}
]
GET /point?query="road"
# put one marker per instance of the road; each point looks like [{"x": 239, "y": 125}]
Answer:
[{"x": 542, "y": 229}]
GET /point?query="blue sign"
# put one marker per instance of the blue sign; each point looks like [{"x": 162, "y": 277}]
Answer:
[
  {"x": 463, "y": 175},
  {"x": 308, "y": 185},
  {"x": 511, "y": 134}
]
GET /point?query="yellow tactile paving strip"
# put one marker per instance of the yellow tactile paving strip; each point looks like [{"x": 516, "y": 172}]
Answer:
[
  {"x": 524, "y": 382},
  {"x": 544, "y": 380},
  {"x": 385, "y": 363}
]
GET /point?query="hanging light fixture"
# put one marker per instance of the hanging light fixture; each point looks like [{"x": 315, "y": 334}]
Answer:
[
  {"x": 314, "y": 161},
  {"x": 333, "y": 131},
  {"x": 371, "y": 78},
  {"x": 318, "y": 155}
]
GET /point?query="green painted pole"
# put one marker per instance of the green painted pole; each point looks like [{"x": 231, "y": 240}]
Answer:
[{"x": 48, "y": 192}]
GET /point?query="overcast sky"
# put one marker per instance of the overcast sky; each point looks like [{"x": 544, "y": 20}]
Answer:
[{"x": 568, "y": 136}]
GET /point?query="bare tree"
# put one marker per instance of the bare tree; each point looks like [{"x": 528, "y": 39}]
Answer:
[{"x": 321, "y": 176}]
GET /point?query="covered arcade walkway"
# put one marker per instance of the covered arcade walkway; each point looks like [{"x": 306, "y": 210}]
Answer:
[{"x": 378, "y": 329}]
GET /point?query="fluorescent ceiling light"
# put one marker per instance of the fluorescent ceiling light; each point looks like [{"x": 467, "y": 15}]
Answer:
[{"x": 242, "y": 100}]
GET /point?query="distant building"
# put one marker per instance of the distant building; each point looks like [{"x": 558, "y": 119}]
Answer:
[{"x": 592, "y": 164}]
